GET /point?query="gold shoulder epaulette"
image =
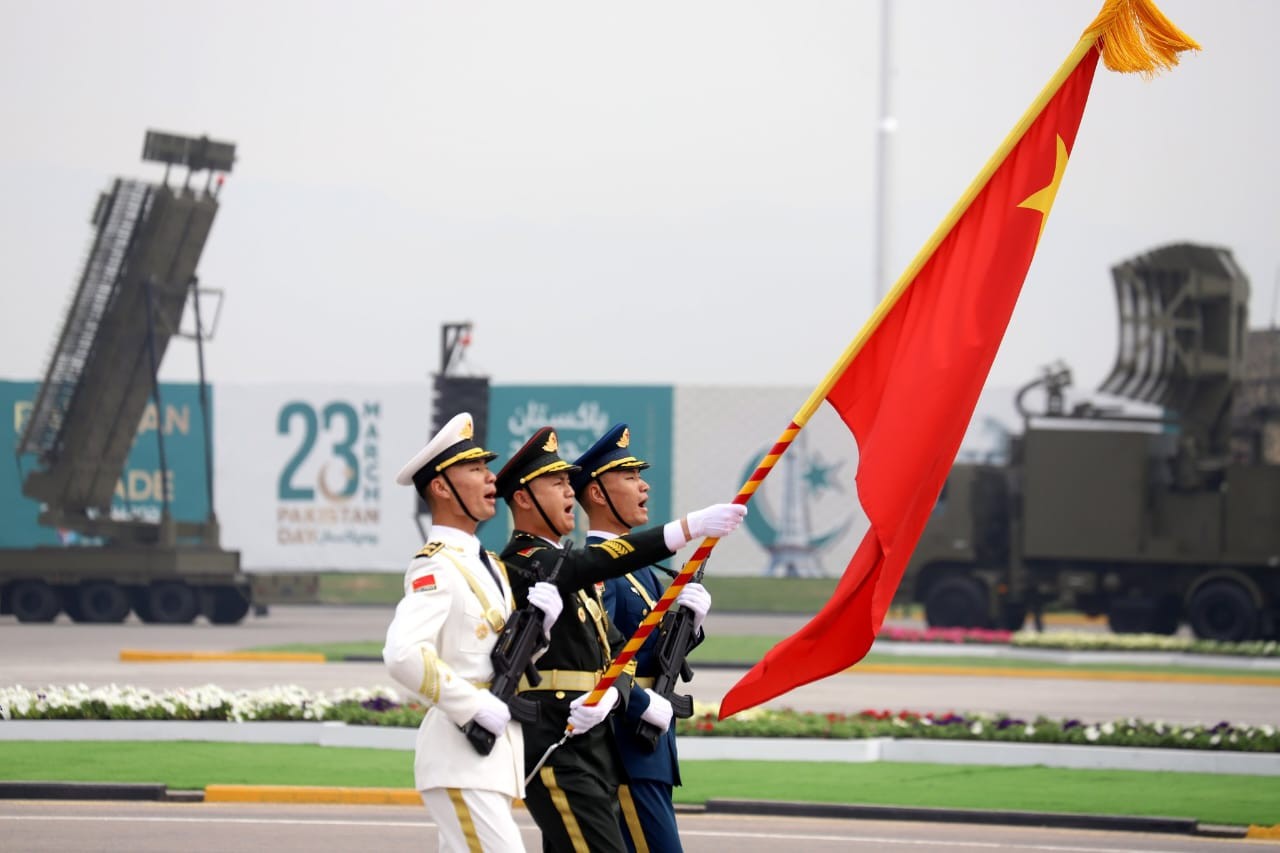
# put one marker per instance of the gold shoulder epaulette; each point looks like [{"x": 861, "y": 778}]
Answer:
[
  {"x": 430, "y": 549},
  {"x": 615, "y": 548}
]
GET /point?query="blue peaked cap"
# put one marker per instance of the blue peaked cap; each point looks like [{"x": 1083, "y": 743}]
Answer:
[{"x": 612, "y": 452}]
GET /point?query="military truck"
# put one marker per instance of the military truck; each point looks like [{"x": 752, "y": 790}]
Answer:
[
  {"x": 1154, "y": 519},
  {"x": 127, "y": 305}
]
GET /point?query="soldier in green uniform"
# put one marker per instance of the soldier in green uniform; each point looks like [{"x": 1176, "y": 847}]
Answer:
[{"x": 573, "y": 797}]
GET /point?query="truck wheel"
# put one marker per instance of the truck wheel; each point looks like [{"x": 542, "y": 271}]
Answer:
[
  {"x": 101, "y": 601},
  {"x": 1224, "y": 611},
  {"x": 956, "y": 603},
  {"x": 224, "y": 605},
  {"x": 35, "y": 601},
  {"x": 171, "y": 602}
]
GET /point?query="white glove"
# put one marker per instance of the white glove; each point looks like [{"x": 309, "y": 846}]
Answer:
[
  {"x": 716, "y": 520},
  {"x": 546, "y": 598},
  {"x": 493, "y": 714},
  {"x": 695, "y": 598},
  {"x": 583, "y": 717},
  {"x": 659, "y": 712}
]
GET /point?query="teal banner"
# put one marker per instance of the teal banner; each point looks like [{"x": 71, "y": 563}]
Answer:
[
  {"x": 580, "y": 414},
  {"x": 140, "y": 489}
]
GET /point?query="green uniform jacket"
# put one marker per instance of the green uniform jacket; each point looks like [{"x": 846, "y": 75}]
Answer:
[{"x": 578, "y": 639}]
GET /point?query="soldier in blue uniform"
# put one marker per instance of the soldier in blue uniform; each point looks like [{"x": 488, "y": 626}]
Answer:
[
  {"x": 573, "y": 795},
  {"x": 610, "y": 488}
]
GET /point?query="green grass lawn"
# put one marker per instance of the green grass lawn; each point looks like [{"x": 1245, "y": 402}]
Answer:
[
  {"x": 1209, "y": 798},
  {"x": 195, "y": 764}
]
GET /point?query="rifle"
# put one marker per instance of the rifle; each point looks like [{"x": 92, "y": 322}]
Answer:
[
  {"x": 676, "y": 638},
  {"x": 512, "y": 657}
]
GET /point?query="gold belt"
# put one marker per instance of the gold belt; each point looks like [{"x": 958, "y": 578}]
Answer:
[
  {"x": 562, "y": 679},
  {"x": 645, "y": 681}
]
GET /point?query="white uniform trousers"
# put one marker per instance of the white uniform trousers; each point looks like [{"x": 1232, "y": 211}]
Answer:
[{"x": 473, "y": 821}]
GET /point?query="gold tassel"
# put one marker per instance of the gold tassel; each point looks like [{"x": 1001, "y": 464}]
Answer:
[{"x": 1135, "y": 36}]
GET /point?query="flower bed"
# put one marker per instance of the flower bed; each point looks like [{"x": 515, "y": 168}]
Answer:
[
  {"x": 979, "y": 636},
  {"x": 1079, "y": 641},
  {"x": 1089, "y": 641},
  {"x": 80, "y": 702},
  {"x": 980, "y": 727},
  {"x": 381, "y": 707}
]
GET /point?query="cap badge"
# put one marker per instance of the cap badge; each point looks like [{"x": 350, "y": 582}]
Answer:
[
  {"x": 625, "y": 440},
  {"x": 553, "y": 444},
  {"x": 467, "y": 430}
]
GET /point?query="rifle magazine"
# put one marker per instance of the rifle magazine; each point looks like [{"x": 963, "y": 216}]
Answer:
[
  {"x": 681, "y": 705},
  {"x": 481, "y": 739}
]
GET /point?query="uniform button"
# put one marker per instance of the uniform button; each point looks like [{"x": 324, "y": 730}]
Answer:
[{"x": 559, "y": 694}]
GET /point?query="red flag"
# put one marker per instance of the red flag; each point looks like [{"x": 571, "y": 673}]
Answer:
[
  {"x": 908, "y": 384},
  {"x": 910, "y": 391}
]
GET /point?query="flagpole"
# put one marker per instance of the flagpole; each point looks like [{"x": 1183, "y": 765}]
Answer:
[{"x": 1131, "y": 35}]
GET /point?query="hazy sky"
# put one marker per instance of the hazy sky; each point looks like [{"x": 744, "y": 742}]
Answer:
[{"x": 663, "y": 192}]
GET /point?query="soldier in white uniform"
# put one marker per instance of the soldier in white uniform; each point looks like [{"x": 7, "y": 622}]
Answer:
[{"x": 456, "y": 601}]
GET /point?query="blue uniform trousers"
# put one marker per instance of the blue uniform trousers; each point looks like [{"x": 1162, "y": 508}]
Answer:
[{"x": 648, "y": 818}]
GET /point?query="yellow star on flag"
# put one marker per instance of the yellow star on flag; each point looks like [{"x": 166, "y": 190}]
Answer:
[{"x": 1042, "y": 200}]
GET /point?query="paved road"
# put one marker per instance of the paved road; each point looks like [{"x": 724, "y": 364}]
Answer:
[
  {"x": 141, "y": 827},
  {"x": 65, "y": 653}
]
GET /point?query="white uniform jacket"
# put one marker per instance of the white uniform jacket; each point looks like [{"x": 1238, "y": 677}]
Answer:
[{"x": 438, "y": 647}]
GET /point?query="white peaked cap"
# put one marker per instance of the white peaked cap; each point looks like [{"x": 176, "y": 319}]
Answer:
[{"x": 454, "y": 443}]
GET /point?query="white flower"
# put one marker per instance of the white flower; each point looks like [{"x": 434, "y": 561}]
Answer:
[{"x": 290, "y": 702}]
